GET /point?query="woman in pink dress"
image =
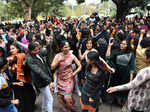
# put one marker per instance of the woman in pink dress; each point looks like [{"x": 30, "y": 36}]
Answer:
[{"x": 65, "y": 76}]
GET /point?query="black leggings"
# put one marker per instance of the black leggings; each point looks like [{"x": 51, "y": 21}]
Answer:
[{"x": 136, "y": 111}]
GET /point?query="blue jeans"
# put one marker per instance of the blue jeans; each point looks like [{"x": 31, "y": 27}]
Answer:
[{"x": 9, "y": 108}]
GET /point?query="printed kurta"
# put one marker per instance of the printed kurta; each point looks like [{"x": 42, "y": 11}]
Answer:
[
  {"x": 65, "y": 80},
  {"x": 139, "y": 95}
]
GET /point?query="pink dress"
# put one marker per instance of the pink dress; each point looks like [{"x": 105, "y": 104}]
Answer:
[{"x": 65, "y": 80}]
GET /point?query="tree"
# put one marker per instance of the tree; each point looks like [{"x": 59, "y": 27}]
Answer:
[
  {"x": 124, "y": 6},
  {"x": 57, "y": 8},
  {"x": 31, "y": 8},
  {"x": 28, "y": 6}
]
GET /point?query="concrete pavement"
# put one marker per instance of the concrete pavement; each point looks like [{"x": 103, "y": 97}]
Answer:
[{"x": 57, "y": 107}]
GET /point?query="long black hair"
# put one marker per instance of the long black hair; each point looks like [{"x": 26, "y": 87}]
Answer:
[
  {"x": 94, "y": 56},
  {"x": 63, "y": 43},
  {"x": 17, "y": 46},
  {"x": 128, "y": 49}
]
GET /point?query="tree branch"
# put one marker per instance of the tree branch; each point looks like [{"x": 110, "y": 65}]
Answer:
[
  {"x": 25, "y": 2},
  {"x": 33, "y": 2}
]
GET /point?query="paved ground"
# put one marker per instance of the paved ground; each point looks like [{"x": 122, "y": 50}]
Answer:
[{"x": 57, "y": 108}]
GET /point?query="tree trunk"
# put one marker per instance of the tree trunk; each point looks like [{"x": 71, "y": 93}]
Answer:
[
  {"x": 28, "y": 13},
  {"x": 122, "y": 10},
  {"x": 34, "y": 14}
]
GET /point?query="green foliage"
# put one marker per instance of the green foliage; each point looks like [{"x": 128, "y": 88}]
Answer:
[
  {"x": 56, "y": 8},
  {"x": 15, "y": 9},
  {"x": 10, "y": 10},
  {"x": 106, "y": 8},
  {"x": 48, "y": 7}
]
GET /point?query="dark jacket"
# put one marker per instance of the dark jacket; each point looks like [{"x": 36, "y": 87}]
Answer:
[
  {"x": 94, "y": 82},
  {"x": 41, "y": 74}
]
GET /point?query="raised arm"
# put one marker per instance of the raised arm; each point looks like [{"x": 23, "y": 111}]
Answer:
[
  {"x": 108, "y": 52},
  {"x": 108, "y": 67},
  {"x": 81, "y": 56},
  {"x": 140, "y": 38}
]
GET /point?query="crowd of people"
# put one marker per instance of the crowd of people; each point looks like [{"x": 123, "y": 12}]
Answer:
[{"x": 89, "y": 55}]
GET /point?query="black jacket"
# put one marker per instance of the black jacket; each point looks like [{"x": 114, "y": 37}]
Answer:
[
  {"x": 40, "y": 71},
  {"x": 95, "y": 83}
]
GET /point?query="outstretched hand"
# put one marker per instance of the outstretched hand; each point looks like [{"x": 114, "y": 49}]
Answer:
[{"x": 110, "y": 90}]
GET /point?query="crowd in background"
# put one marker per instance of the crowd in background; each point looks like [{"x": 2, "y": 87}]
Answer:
[{"x": 87, "y": 55}]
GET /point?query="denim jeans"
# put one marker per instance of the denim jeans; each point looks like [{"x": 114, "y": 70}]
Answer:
[
  {"x": 9, "y": 108},
  {"x": 47, "y": 99}
]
